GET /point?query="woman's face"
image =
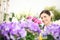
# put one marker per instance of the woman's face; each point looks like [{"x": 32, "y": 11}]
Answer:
[{"x": 45, "y": 18}]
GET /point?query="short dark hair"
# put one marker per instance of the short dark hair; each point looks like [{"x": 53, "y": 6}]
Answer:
[{"x": 46, "y": 12}]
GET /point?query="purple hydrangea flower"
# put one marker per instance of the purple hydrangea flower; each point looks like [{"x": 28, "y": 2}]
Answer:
[
  {"x": 12, "y": 28},
  {"x": 33, "y": 26},
  {"x": 18, "y": 28},
  {"x": 22, "y": 32},
  {"x": 23, "y": 24},
  {"x": 53, "y": 29},
  {"x": 5, "y": 27}
]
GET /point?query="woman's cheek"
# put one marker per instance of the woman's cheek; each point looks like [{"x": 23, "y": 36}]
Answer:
[{"x": 46, "y": 21}]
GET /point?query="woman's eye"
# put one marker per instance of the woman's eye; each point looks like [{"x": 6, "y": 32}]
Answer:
[
  {"x": 44, "y": 16},
  {"x": 41, "y": 17}
]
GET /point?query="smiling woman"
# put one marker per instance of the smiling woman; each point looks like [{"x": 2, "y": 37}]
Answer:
[{"x": 50, "y": 30}]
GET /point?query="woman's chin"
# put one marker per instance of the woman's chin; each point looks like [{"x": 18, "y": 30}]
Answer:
[{"x": 45, "y": 23}]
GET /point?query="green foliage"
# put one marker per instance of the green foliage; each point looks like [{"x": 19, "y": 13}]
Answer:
[
  {"x": 57, "y": 15},
  {"x": 4, "y": 16},
  {"x": 30, "y": 36},
  {"x": 1, "y": 36},
  {"x": 49, "y": 37},
  {"x": 13, "y": 15},
  {"x": 55, "y": 12},
  {"x": 10, "y": 18},
  {"x": 21, "y": 39}
]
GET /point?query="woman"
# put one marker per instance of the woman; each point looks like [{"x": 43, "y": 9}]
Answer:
[{"x": 49, "y": 27}]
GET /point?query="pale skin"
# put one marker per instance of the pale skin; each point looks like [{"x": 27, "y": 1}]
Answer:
[{"x": 46, "y": 19}]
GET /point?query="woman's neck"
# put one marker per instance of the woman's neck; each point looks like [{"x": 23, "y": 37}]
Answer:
[{"x": 48, "y": 24}]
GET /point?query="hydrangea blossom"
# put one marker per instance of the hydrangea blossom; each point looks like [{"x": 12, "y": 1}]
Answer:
[
  {"x": 10, "y": 29},
  {"x": 23, "y": 24},
  {"x": 54, "y": 30},
  {"x": 5, "y": 27},
  {"x": 33, "y": 26}
]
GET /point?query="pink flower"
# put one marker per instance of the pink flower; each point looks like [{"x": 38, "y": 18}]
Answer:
[
  {"x": 29, "y": 17},
  {"x": 38, "y": 21},
  {"x": 34, "y": 19}
]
